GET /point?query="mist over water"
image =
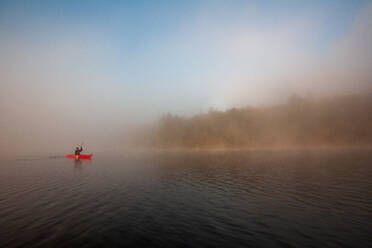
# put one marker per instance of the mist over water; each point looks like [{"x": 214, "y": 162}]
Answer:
[
  {"x": 66, "y": 77},
  {"x": 211, "y": 123}
]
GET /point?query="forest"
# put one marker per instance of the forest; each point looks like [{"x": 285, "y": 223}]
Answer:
[{"x": 332, "y": 121}]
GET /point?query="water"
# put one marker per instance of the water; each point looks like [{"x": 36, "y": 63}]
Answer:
[{"x": 308, "y": 198}]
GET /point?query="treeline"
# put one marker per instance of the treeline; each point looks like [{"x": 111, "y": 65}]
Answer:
[{"x": 341, "y": 120}]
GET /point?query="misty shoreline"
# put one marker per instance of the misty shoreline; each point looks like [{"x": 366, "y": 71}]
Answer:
[
  {"x": 337, "y": 121},
  {"x": 332, "y": 123},
  {"x": 178, "y": 150}
]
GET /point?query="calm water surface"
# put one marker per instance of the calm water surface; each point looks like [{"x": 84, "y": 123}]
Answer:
[{"x": 202, "y": 199}]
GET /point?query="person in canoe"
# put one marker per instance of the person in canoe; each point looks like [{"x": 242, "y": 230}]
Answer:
[{"x": 78, "y": 150}]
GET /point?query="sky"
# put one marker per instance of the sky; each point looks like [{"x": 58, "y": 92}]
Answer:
[{"x": 82, "y": 70}]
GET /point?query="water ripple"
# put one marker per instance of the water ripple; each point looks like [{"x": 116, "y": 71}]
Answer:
[{"x": 239, "y": 199}]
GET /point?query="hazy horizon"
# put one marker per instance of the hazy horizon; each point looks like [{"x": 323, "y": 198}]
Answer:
[{"x": 92, "y": 70}]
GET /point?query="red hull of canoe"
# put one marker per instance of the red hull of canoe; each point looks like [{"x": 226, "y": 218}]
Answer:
[{"x": 81, "y": 156}]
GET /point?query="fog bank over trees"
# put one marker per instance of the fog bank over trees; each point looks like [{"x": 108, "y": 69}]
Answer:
[{"x": 333, "y": 121}]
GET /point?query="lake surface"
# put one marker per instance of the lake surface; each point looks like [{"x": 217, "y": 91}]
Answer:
[{"x": 303, "y": 198}]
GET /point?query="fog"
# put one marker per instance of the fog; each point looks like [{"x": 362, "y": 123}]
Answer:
[{"x": 69, "y": 82}]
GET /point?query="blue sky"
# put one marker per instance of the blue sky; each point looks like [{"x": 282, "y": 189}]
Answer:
[
  {"x": 139, "y": 21},
  {"x": 120, "y": 61},
  {"x": 161, "y": 44}
]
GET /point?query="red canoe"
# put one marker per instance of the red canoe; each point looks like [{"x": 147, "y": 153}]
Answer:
[{"x": 81, "y": 156}]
